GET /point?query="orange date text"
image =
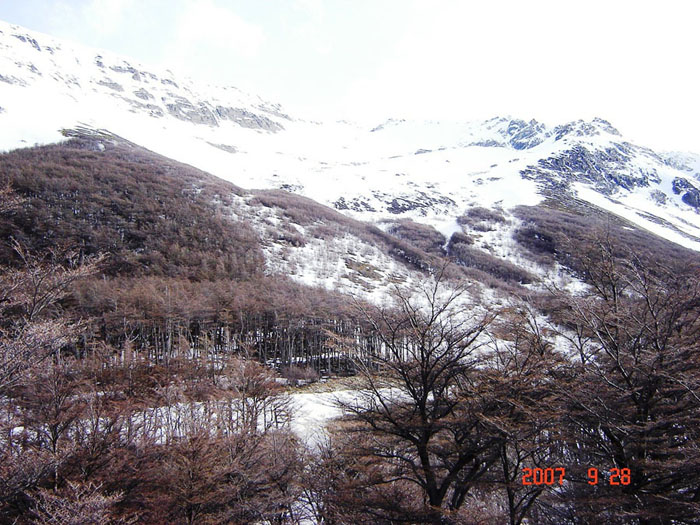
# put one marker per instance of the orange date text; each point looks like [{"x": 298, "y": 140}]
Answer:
[{"x": 557, "y": 476}]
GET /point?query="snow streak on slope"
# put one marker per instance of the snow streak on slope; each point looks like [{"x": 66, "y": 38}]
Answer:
[{"x": 335, "y": 261}]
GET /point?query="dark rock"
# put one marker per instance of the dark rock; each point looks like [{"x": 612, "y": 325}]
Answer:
[
  {"x": 224, "y": 147},
  {"x": 155, "y": 111},
  {"x": 658, "y": 196},
  {"x": 143, "y": 94},
  {"x": 111, "y": 84},
  {"x": 12, "y": 80},
  {"x": 28, "y": 40},
  {"x": 490, "y": 143},
  {"x": 525, "y": 135},
  {"x": 183, "y": 109},
  {"x": 607, "y": 169},
  {"x": 123, "y": 69},
  {"x": 690, "y": 194},
  {"x": 247, "y": 119},
  {"x": 418, "y": 201},
  {"x": 355, "y": 204}
]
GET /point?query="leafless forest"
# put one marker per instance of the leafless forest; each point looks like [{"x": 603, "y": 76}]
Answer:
[{"x": 140, "y": 359}]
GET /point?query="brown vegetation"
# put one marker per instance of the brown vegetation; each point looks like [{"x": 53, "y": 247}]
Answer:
[
  {"x": 148, "y": 393},
  {"x": 150, "y": 216}
]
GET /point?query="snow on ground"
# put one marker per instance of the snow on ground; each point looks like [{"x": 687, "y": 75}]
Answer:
[
  {"x": 340, "y": 261},
  {"x": 624, "y": 206},
  {"x": 314, "y": 411},
  {"x": 431, "y": 171}
]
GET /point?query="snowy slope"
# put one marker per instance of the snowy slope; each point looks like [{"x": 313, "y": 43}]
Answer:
[{"x": 429, "y": 171}]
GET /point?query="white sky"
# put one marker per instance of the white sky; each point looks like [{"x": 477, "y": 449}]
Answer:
[{"x": 634, "y": 63}]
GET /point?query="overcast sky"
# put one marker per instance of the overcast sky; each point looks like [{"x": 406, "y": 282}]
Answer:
[{"x": 634, "y": 63}]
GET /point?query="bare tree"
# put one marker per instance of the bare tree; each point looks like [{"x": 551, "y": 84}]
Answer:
[
  {"x": 27, "y": 336},
  {"x": 634, "y": 409},
  {"x": 420, "y": 407},
  {"x": 76, "y": 505},
  {"x": 520, "y": 373},
  {"x": 37, "y": 393}
]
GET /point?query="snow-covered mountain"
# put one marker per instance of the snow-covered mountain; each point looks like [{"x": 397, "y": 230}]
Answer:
[{"x": 431, "y": 172}]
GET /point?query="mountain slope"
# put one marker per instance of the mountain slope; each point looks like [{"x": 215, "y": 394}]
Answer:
[
  {"x": 151, "y": 216},
  {"x": 428, "y": 172}
]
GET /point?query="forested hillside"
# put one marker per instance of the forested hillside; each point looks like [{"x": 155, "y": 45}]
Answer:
[{"x": 150, "y": 340}]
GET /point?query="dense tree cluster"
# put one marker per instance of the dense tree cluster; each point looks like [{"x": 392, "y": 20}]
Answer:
[
  {"x": 476, "y": 415},
  {"x": 140, "y": 368},
  {"x": 90, "y": 439},
  {"x": 150, "y": 215}
]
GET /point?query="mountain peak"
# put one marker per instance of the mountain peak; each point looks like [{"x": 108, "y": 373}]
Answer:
[{"x": 426, "y": 170}]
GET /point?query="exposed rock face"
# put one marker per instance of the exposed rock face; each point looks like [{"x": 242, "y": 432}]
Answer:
[
  {"x": 153, "y": 110},
  {"x": 517, "y": 134},
  {"x": 12, "y": 80},
  {"x": 143, "y": 94},
  {"x": 29, "y": 40},
  {"x": 247, "y": 119},
  {"x": 489, "y": 143},
  {"x": 111, "y": 84},
  {"x": 581, "y": 128},
  {"x": 156, "y": 95},
  {"x": 355, "y": 204},
  {"x": 659, "y": 197},
  {"x": 521, "y": 135},
  {"x": 525, "y": 135},
  {"x": 224, "y": 147},
  {"x": 183, "y": 109},
  {"x": 420, "y": 201},
  {"x": 689, "y": 193},
  {"x": 607, "y": 169}
]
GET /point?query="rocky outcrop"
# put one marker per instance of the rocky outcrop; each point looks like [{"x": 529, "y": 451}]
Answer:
[
  {"x": 525, "y": 135},
  {"x": 659, "y": 197},
  {"x": 689, "y": 193},
  {"x": 111, "y": 84},
  {"x": 29, "y": 40},
  {"x": 143, "y": 94},
  {"x": 247, "y": 119},
  {"x": 607, "y": 169},
  {"x": 12, "y": 80},
  {"x": 183, "y": 109},
  {"x": 420, "y": 201},
  {"x": 355, "y": 204},
  {"x": 224, "y": 147},
  {"x": 581, "y": 128}
]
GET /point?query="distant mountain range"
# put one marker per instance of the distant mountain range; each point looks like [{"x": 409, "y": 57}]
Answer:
[{"x": 408, "y": 179}]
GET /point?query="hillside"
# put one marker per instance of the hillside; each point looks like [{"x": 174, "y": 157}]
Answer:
[
  {"x": 213, "y": 311},
  {"x": 430, "y": 172}
]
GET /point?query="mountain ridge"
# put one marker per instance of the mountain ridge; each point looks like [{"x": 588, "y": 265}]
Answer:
[{"x": 426, "y": 171}]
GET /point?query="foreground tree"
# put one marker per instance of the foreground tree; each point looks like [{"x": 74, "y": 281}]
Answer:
[
  {"x": 634, "y": 407},
  {"x": 75, "y": 505},
  {"x": 36, "y": 387},
  {"x": 28, "y": 294},
  {"x": 518, "y": 374},
  {"x": 422, "y": 409}
]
